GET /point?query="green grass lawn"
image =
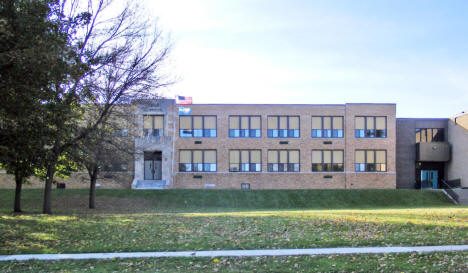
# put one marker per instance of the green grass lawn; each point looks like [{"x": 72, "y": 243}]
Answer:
[
  {"x": 431, "y": 262},
  {"x": 210, "y": 220}
]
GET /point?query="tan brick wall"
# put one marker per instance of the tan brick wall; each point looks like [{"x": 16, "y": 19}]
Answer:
[
  {"x": 305, "y": 179},
  {"x": 75, "y": 181},
  {"x": 371, "y": 180},
  {"x": 457, "y": 166},
  {"x": 260, "y": 181}
]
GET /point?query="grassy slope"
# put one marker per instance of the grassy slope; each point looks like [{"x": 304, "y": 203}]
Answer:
[
  {"x": 140, "y": 221},
  {"x": 232, "y": 200}
]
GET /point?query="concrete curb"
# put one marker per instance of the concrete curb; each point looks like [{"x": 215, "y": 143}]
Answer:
[{"x": 237, "y": 253}]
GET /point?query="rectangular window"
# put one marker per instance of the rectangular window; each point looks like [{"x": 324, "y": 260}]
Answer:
[
  {"x": 283, "y": 126},
  {"x": 370, "y": 127},
  {"x": 197, "y": 160},
  {"x": 430, "y": 135},
  {"x": 327, "y": 127},
  {"x": 245, "y": 161},
  {"x": 197, "y": 126},
  {"x": 370, "y": 161},
  {"x": 153, "y": 125},
  {"x": 245, "y": 186},
  {"x": 244, "y": 126},
  {"x": 327, "y": 161},
  {"x": 283, "y": 161}
]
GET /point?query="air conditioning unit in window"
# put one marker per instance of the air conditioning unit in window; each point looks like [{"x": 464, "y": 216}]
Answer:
[{"x": 234, "y": 169}]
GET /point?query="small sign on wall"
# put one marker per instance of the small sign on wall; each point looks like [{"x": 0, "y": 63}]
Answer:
[{"x": 184, "y": 111}]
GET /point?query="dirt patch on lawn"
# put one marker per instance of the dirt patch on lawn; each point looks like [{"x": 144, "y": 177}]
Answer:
[{"x": 76, "y": 203}]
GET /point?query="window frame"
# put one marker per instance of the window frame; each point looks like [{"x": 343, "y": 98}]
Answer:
[
  {"x": 322, "y": 134},
  {"x": 271, "y": 135},
  {"x": 365, "y": 133},
  {"x": 240, "y": 123},
  {"x": 192, "y": 130},
  {"x": 366, "y": 165},
  {"x": 322, "y": 164},
  {"x": 192, "y": 165},
  {"x": 270, "y": 167},
  {"x": 240, "y": 169},
  {"x": 160, "y": 132}
]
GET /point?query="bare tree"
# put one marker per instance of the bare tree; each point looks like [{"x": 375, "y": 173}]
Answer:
[
  {"x": 111, "y": 142},
  {"x": 123, "y": 56}
]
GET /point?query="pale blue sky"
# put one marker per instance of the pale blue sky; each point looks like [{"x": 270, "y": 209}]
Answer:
[{"x": 413, "y": 53}]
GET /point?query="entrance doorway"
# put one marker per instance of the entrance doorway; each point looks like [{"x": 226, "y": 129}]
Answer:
[
  {"x": 429, "y": 179},
  {"x": 153, "y": 165}
]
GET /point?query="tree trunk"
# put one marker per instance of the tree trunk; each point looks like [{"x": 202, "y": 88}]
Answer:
[
  {"x": 92, "y": 188},
  {"x": 47, "y": 207},
  {"x": 19, "y": 184}
]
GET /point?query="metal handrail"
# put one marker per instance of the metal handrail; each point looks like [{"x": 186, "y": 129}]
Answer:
[
  {"x": 445, "y": 183},
  {"x": 450, "y": 191}
]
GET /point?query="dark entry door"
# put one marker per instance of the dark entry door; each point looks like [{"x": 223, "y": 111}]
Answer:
[
  {"x": 153, "y": 165},
  {"x": 429, "y": 179}
]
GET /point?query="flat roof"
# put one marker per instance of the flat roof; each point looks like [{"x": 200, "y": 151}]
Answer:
[{"x": 286, "y": 104}]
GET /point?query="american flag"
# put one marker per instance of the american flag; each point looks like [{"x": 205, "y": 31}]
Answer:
[{"x": 184, "y": 100}]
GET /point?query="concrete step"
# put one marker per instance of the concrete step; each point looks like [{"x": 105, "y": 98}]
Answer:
[
  {"x": 460, "y": 195},
  {"x": 150, "y": 184}
]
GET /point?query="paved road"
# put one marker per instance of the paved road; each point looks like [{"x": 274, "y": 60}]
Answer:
[{"x": 237, "y": 253}]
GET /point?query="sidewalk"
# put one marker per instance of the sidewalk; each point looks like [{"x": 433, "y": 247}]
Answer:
[{"x": 237, "y": 253}]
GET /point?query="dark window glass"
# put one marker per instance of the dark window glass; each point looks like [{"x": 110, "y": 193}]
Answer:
[
  {"x": 317, "y": 167},
  {"x": 186, "y": 133},
  {"x": 429, "y": 135},
  {"x": 338, "y": 167},
  {"x": 370, "y": 133},
  {"x": 380, "y": 133},
  {"x": 438, "y": 135},
  {"x": 370, "y": 167}
]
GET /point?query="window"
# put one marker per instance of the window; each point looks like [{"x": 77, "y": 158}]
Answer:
[
  {"x": 327, "y": 127},
  {"x": 245, "y": 161},
  {"x": 370, "y": 161},
  {"x": 153, "y": 125},
  {"x": 283, "y": 161},
  {"x": 283, "y": 126},
  {"x": 197, "y": 161},
  {"x": 371, "y": 127},
  {"x": 327, "y": 161},
  {"x": 197, "y": 126},
  {"x": 244, "y": 126},
  {"x": 430, "y": 135},
  {"x": 245, "y": 186}
]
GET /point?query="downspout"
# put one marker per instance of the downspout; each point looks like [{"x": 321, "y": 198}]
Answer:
[
  {"x": 173, "y": 145},
  {"x": 346, "y": 146}
]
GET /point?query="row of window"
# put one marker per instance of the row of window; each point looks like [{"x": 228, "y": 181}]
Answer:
[
  {"x": 282, "y": 161},
  {"x": 282, "y": 126}
]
